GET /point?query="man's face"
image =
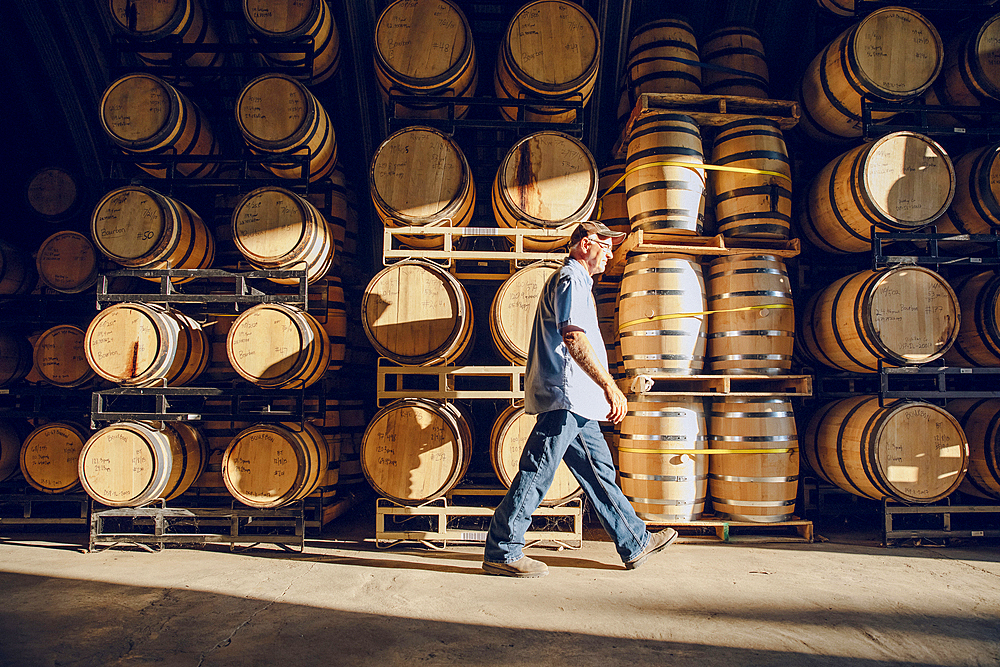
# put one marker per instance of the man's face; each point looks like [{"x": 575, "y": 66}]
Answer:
[{"x": 597, "y": 252}]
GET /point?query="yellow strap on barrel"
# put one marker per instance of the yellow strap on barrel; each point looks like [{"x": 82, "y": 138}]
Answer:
[
  {"x": 786, "y": 450},
  {"x": 687, "y": 165},
  {"x": 677, "y": 316}
]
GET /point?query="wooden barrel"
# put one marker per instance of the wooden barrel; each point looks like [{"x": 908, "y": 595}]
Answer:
[
  {"x": 294, "y": 21},
  {"x": 353, "y": 423},
  {"x": 11, "y": 438},
  {"x": 337, "y": 201},
  {"x": 976, "y": 206},
  {"x": 752, "y": 205},
  {"x": 865, "y": 61},
  {"x": 547, "y": 180},
  {"x": 978, "y": 339},
  {"x": 328, "y": 424},
  {"x": 903, "y": 315},
  {"x": 271, "y": 465},
  {"x": 420, "y": 178},
  {"x": 182, "y": 21},
  {"x": 513, "y": 311},
  {"x": 510, "y": 431},
  {"x": 67, "y": 262},
  {"x": 979, "y": 419},
  {"x": 901, "y": 182},
  {"x": 607, "y": 292},
  {"x": 60, "y": 358},
  {"x": 625, "y": 101},
  {"x": 416, "y": 313},
  {"x": 751, "y": 328},
  {"x": 276, "y": 229},
  {"x": 735, "y": 63},
  {"x": 17, "y": 275},
  {"x": 838, "y": 7},
  {"x": 53, "y": 194},
  {"x": 145, "y": 344},
  {"x": 132, "y": 463},
  {"x": 911, "y": 452},
  {"x": 662, "y": 320},
  {"x": 328, "y": 305},
  {"x": 415, "y": 450},
  {"x": 50, "y": 456},
  {"x": 139, "y": 228},
  {"x": 969, "y": 75},
  {"x": 147, "y": 117},
  {"x": 746, "y": 484},
  {"x": 550, "y": 52},
  {"x": 657, "y": 475},
  {"x": 285, "y": 124},
  {"x": 663, "y": 58},
  {"x": 15, "y": 358},
  {"x": 613, "y": 210},
  {"x": 665, "y": 198},
  {"x": 278, "y": 346},
  {"x": 425, "y": 48}
]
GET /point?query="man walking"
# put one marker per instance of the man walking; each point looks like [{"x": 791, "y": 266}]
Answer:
[{"x": 567, "y": 384}]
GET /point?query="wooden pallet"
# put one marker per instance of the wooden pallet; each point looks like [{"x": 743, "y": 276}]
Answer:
[
  {"x": 708, "y": 111},
  {"x": 794, "y": 530},
  {"x": 718, "y": 385},
  {"x": 440, "y": 512},
  {"x": 474, "y": 263},
  {"x": 448, "y": 382},
  {"x": 641, "y": 241}
]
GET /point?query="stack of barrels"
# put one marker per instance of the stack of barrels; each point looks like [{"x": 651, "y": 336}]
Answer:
[
  {"x": 903, "y": 315},
  {"x": 673, "y": 314},
  {"x": 159, "y": 123},
  {"x": 415, "y": 312}
]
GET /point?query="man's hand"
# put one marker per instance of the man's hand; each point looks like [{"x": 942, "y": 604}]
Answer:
[{"x": 618, "y": 402}]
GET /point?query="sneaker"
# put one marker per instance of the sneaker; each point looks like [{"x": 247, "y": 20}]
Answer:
[
  {"x": 657, "y": 542},
  {"x": 523, "y": 567}
]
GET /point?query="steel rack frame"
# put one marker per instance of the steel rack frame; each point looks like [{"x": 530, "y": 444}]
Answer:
[
  {"x": 75, "y": 508},
  {"x": 243, "y": 293},
  {"x": 989, "y": 124},
  {"x": 893, "y": 512},
  {"x": 865, "y": 7},
  {"x": 162, "y": 519},
  {"x": 27, "y": 400},
  {"x": 171, "y": 158},
  {"x": 177, "y": 403},
  {"x": 936, "y": 250},
  {"x": 451, "y": 124},
  {"x": 929, "y": 383}
]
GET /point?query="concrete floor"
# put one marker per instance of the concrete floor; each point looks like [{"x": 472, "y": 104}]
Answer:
[{"x": 846, "y": 601}]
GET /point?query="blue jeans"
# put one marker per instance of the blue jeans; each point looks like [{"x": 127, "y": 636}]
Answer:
[{"x": 558, "y": 434}]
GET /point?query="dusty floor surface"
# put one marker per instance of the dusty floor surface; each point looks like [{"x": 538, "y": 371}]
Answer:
[{"x": 846, "y": 601}]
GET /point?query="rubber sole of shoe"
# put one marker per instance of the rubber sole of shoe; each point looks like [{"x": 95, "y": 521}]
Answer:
[{"x": 500, "y": 570}]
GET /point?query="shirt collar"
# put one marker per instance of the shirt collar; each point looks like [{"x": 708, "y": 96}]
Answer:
[{"x": 577, "y": 266}]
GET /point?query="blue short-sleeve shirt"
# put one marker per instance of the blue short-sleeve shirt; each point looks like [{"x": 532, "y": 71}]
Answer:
[{"x": 554, "y": 381}]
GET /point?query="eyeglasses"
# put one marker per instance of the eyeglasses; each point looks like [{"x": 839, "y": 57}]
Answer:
[{"x": 604, "y": 244}]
